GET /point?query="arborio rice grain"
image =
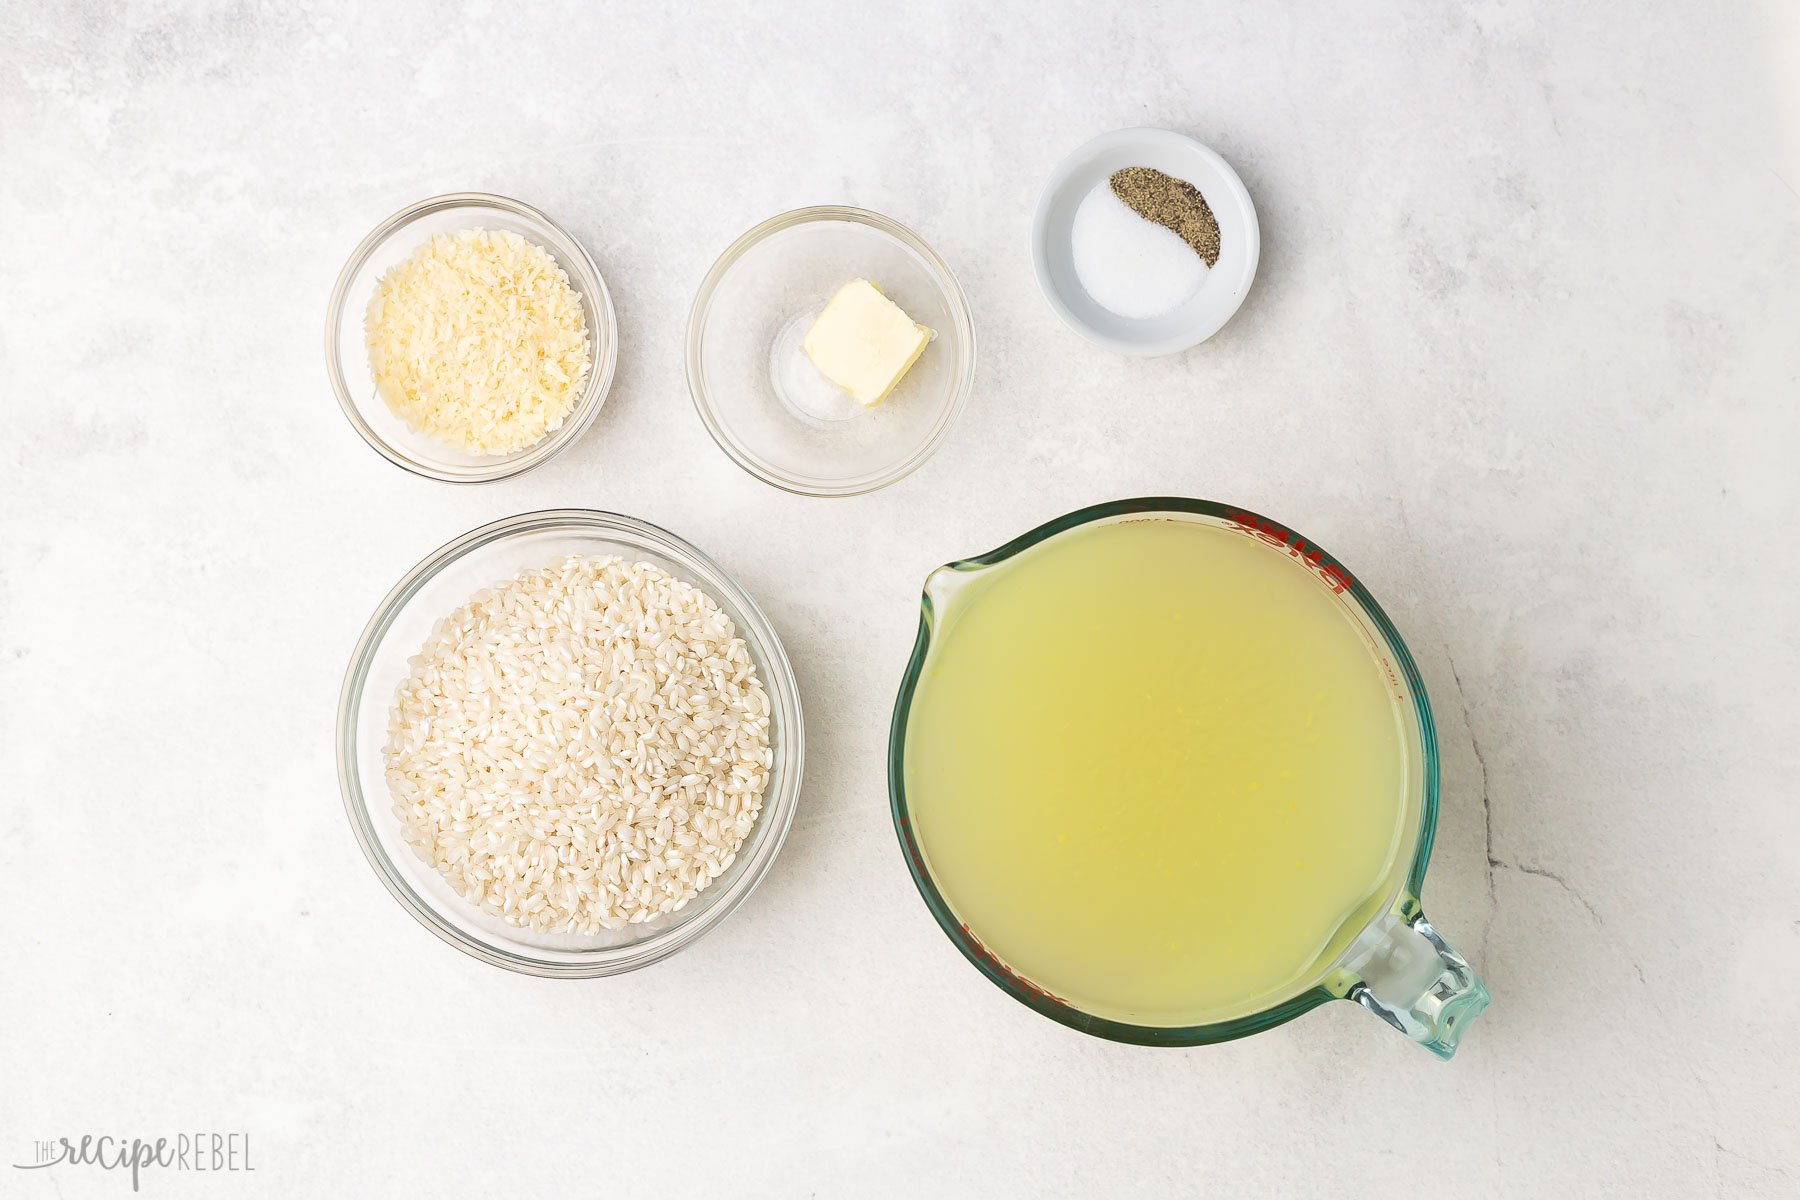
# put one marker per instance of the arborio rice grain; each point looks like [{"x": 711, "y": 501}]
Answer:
[{"x": 582, "y": 747}]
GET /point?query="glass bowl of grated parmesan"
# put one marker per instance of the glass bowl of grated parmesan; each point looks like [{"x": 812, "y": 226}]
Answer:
[{"x": 470, "y": 338}]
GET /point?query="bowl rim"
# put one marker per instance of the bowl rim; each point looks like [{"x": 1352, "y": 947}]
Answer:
[
  {"x": 1059, "y": 179},
  {"x": 960, "y": 314},
  {"x": 780, "y": 801},
  {"x": 605, "y": 339}
]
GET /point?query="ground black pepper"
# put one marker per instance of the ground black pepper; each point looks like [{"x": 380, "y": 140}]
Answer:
[{"x": 1175, "y": 204}]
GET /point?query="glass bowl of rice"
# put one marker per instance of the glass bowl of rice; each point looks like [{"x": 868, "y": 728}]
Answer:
[
  {"x": 394, "y": 242},
  {"x": 389, "y": 653}
]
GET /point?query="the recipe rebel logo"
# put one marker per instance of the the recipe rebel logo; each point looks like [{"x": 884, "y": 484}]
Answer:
[{"x": 193, "y": 1152}]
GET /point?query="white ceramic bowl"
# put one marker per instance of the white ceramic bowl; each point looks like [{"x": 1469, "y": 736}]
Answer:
[{"x": 1227, "y": 282}]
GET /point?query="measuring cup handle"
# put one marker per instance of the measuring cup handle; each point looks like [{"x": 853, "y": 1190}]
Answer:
[{"x": 1411, "y": 978}]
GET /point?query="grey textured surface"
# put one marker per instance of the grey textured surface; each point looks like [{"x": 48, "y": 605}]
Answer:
[{"x": 1522, "y": 351}]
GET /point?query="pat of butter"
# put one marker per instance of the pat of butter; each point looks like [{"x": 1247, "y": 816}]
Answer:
[{"x": 864, "y": 342}]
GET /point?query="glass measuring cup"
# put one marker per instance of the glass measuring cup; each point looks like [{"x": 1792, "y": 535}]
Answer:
[{"x": 1397, "y": 966}]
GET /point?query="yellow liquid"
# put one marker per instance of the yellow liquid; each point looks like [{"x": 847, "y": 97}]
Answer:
[{"x": 1158, "y": 771}]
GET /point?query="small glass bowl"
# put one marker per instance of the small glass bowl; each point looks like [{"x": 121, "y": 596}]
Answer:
[
  {"x": 400, "y": 626},
  {"x": 765, "y": 403},
  {"x": 392, "y": 242}
]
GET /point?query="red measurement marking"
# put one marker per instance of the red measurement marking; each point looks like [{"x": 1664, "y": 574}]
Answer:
[
  {"x": 1012, "y": 976},
  {"x": 1280, "y": 536},
  {"x": 912, "y": 848}
]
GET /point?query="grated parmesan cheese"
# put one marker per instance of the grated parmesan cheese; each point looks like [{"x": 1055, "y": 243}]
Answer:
[{"x": 479, "y": 340}]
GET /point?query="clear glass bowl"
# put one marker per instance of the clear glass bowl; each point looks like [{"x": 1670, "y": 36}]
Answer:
[
  {"x": 766, "y": 405},
  {"x": 394, "y": 240},
  {"x": 400, "y": 626}
]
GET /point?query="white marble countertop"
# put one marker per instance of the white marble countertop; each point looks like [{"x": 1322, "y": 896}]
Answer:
[{"x": 1523, "y": 350}]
